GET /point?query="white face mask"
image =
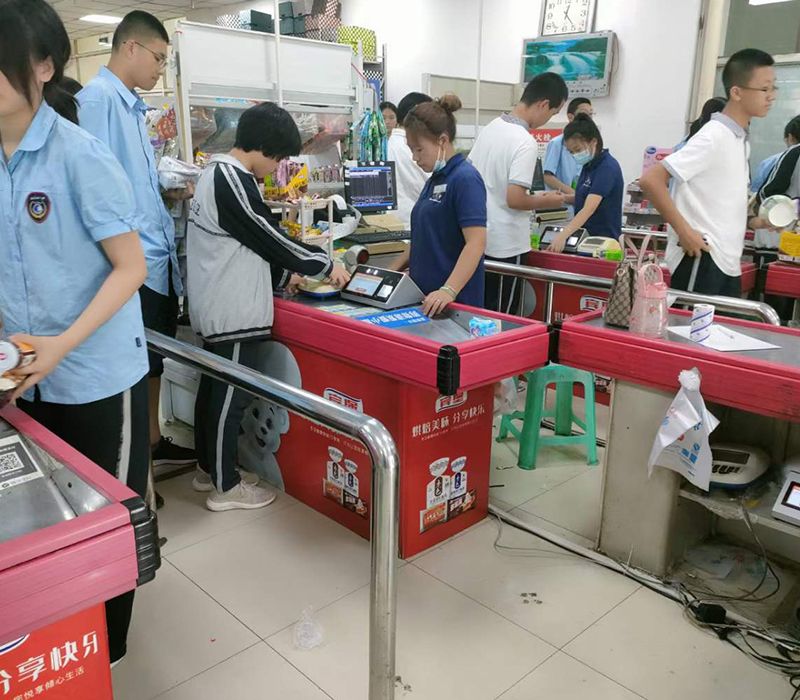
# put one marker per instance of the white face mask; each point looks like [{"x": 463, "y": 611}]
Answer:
[{"x": 583, "y": 157}]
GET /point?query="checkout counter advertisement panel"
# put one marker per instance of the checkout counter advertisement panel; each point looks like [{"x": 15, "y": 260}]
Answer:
[
  {"x": 67, "y": 660},
  {"x": 444, "y": 445}
]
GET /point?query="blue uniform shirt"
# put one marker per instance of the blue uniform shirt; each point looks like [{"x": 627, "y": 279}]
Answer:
[
  {"x": 763, "y": 171},
  {"x": 62, "y": 193},
  {"x": 559, "y": 161},
  {"x": 603, "y": 177},
  {"x": 452, "y": 200},
  {"x": 115, "y": 115}
]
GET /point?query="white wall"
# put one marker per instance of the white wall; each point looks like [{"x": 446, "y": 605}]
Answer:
[{"x": 651, "y": 87}]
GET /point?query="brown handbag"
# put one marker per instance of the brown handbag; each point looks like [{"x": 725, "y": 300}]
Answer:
[{"x": 622, "y": 296}]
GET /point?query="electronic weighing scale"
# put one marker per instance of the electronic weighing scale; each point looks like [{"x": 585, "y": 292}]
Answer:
[
  {"x": 787, "y": 506},
  {"x": 384, "y": 289}
]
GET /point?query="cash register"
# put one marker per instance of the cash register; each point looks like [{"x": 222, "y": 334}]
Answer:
[
  {"x": 384, "y": 289},
  {"x": 572, "y": 244}
]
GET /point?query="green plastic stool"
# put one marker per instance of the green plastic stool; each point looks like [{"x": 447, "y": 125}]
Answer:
[{"x": 529, "y": 435}]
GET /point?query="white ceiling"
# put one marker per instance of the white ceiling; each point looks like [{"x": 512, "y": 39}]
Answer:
[{"x": 71, "y": 10}]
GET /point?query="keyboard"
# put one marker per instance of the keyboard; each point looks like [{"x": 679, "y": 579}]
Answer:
[{"x": 377, "y": 237}]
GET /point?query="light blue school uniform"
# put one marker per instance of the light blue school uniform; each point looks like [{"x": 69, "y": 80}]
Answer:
[
  {"x": 116, "y": 116},
  {"x": 61, "y": 194},
  {"x": 560, "y": 162}
]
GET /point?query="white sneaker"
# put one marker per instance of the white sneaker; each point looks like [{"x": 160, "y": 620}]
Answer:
[
  {"x": 202, "y": 481},
  {"x": 242, "y": 496}
]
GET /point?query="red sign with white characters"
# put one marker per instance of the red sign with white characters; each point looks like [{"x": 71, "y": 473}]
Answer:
[{"x": 67, "y": 660}]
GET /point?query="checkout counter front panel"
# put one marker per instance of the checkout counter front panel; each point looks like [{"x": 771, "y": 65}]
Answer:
[
  {"x": 71, "y": 537},
  {"x": 428, "y": 381}
]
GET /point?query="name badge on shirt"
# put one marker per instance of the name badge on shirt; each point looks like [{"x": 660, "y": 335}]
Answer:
[
  {"x": 38, "y": 206},
  {"x": 438, "y": 193}
]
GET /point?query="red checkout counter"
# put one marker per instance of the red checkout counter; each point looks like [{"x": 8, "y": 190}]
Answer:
[
  {"x": 648, "y": 521},
  {"x": 71, "y": 537},
  {"x": 570, "y": 301},
  {"x": 783, "y": 280},
  {"x": 428, "y": 381}
]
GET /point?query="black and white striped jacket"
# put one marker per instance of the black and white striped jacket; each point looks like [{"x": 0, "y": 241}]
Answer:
[{"x": 236, "y": 256}]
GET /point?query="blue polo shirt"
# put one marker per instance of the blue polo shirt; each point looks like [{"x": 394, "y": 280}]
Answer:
[
  {"x": 452, "y": 200},
  {"x": 602, "y": 177},
  {"x": 61, "y": 194},
  {"x": 115, "y": 115}
]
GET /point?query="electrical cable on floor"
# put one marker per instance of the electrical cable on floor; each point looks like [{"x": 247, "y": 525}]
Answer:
[{"x": 732, "y": 623}]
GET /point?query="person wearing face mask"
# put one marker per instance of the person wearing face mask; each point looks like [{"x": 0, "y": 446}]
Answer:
[
  {"x": 448, "y": 223},
  {"x": 505, "y": 155},
  {"x": 560, "y": 169},
  {"x": 598, "y": 196},
  {"x": 111, "y": 110}
]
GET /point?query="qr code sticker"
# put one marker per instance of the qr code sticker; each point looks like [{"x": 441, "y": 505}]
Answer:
[{"x": 10, "y": 462}]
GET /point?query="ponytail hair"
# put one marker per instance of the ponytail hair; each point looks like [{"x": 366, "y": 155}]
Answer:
[
  {"x": 432, "y": 119},
  {"x": 584, "y": 127},
  {"x": 31, "y": 30},
  {"x": 710, "y": 108}
]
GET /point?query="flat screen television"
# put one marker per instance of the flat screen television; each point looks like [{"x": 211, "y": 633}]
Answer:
[{"x": 584, "y": 61}]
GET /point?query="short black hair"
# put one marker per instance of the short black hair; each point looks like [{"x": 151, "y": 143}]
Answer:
[
  {"x": 389, "y": 105},
  {"x": 546, "y": 86},
  {"x": 739, "y": 68},
  {"x": 269, "y": 129},
  {"x": 138, "y": 25},
  {"x": 411, "y": 100},
  {"x": 573, "y": 105},
  {"x": 793, "y": 129}
]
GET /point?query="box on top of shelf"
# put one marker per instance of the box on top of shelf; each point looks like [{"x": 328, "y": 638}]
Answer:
[{"x": 353, "y": 35}]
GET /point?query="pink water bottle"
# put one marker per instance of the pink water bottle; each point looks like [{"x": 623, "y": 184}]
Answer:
[{"x": 655, "y": 314}]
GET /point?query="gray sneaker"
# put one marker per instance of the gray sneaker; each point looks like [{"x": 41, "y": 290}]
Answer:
[
  {"x": 242, "y": 496},
  {"x": 202, "y": 481}
]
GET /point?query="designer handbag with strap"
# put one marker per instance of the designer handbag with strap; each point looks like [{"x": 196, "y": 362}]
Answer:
[{"x": 623, "y": 287}]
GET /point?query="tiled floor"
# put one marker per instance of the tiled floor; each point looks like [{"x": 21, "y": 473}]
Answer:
[{"x": 475, "y": 622}]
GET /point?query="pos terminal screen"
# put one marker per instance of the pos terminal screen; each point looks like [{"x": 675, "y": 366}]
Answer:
[
  {"x": 364, "y": 284},
  {"x": 792, "y": 498}
]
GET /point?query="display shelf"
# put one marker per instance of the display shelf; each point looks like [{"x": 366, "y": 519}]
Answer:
[{"x": 727, "y": 507}]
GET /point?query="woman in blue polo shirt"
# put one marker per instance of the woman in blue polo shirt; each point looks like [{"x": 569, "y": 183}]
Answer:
[
  {"x": 448, "y": 223},
  {"x": 598, "y": 196},
  {"x": 71, "y": 266}
]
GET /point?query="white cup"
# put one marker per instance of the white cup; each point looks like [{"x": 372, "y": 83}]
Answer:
[{"x": 702, "y": 318}]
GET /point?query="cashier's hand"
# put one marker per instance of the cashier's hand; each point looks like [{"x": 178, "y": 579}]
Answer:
[
  {"x": 339, "y": 277},
  {"x": 693, "y": 243},
  {"x": 50, "y": 350},
  {"x": 558, "y": 243},
  {"x": 180, "y": 195},
  {"x": 436, "y": 302}
]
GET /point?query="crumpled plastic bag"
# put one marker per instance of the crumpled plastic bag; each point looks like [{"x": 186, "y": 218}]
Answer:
[
  {"x": 681, "y": 443},
  {"x": 174, "y": 174},
  {"x": 308, "y": 633},
  {"x": 505, "y": 396}
]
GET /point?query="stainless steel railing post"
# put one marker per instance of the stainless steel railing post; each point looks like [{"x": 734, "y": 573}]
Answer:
[{"x": 385, "y": 481}]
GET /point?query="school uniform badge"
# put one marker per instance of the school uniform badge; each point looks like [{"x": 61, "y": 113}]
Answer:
[{"x": 38, "y": 206}]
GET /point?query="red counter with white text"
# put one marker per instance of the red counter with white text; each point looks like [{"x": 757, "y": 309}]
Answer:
[
  {"x": 429, "y": 382},
  {"x": 71, "y": 537}
]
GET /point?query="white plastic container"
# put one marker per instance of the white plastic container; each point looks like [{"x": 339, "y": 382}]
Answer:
[{"x": 178, "y": 392}]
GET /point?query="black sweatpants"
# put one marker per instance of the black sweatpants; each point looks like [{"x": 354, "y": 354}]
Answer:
[
  {"x": 113, "y": 433},
  {"x": 218, "y": 413},
  {"x": 709, "y": 280},
  {"x": 503, "y": 293}
]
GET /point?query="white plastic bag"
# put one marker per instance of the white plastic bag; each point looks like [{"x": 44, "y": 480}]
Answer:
[
  {"x": 174, "y": 174},
  {"x": 505, "y": 396},
  {"x": 308, "y": 633},
  {"x": 682, "y": 440}
]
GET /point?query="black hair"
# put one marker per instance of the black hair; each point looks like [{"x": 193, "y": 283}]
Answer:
[
  {"x": 546, "y": 86},
  {"x": 411, "y": 100},
  {"x": 584, "y": 128},
  {"x": 31, "y": 30},
  {"x": 269, "y": 129},
  {"x": 573, "y": 105},
  {"x": 792, "y": 129},
  {"x": 434, "y": 118},
  {"x": 138, "y": 25},
  {"x": 389, "y": 105},
  {"x": 740, "y": 67},
  {"x": 72, "y": 86},
  {"x": 710, "y": 108}
]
